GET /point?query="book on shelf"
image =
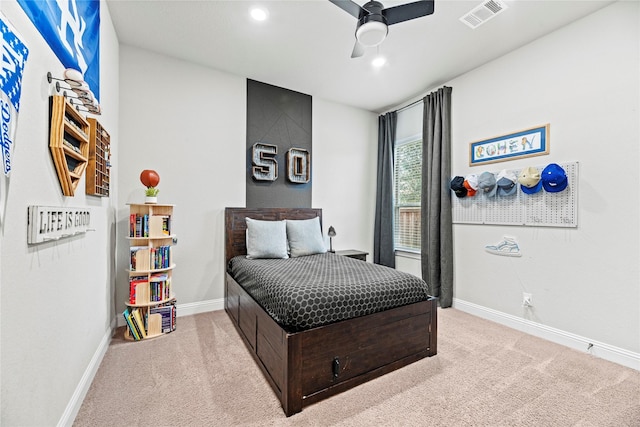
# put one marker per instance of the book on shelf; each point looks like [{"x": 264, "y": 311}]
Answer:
[
  {"x": 138, "y": 232},
  {"x": 136, "y": 294},
  {"x": 139, "y": 292},
  {"x": 173, "y": 315},
  {"x": 166, "y": 225},
  {"x": 136, "y": 327},
  {"x": 132, "y": 225},
  {"x": 159, "y": 226},
  {"x": 160, "y": 257},
  {"x": 160, "y": 287},
  {"x": 140, "y": 258},
  {"x": 168, "y": 316},
  {"x": 133, "y": 331},
  {"x": 138, "y": 225},
  {"x": 145, "y": 225},
  {"x": 139, "y": 322}
]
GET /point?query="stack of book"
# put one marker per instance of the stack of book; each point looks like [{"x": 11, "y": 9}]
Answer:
[
  {"x": 144, "y": 258},
  {"x": 168, "y": 313},
  {"x": 135, "y": 323},
  {"x": 160, "y": 287},
  {"x": 160, "y": 257},
  {"x": 139, "y": 324},
  {"x": 143, "y": 225}
]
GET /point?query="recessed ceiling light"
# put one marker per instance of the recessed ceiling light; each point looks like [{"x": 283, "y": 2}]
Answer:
[
  {"x": 379, "y": 61},
  {"x": 259, "y": 14}
]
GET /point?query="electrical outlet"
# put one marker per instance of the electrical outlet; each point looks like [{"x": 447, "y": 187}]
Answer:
[{"x": 527, "y": 300}]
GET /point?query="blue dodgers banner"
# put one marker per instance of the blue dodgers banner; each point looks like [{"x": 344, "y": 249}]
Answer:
[
  {"x": 72, "y": 30},
  {"x": 14, "y": 57}
]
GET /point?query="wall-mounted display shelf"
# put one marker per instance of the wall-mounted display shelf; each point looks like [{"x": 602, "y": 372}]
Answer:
[
  {"x": 151, "y": 307},
  {"x": 97, "y": 182},
  {"x": 68, "y": 142}
]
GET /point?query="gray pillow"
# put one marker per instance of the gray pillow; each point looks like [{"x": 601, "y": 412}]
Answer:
[
  {"x": 266, "y": 239},
  {"x": 305, "y": 237}
]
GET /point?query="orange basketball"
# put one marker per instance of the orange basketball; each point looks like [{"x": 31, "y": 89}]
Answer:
[{"x": 149, "y": 178}]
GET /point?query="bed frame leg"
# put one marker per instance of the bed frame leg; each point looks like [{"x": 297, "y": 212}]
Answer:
[
  {"x": 433, "y": 328},
  {"x": 292, "y": 396}
]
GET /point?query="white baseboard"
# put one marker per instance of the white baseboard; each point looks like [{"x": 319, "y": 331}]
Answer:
[
  {"x": 200, "y": 307},
  {"x": 598, "y": 349},
  {"x": 70, "y": 412}
]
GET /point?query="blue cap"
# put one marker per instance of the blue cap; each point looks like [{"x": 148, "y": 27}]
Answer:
[
  {"x": 554, "y": 178},
  {"x": 506, "y": 183},
  {"x": 530, "y": 181}
]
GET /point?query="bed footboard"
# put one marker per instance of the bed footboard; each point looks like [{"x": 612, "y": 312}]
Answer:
[{"x": 305, "y": 367}]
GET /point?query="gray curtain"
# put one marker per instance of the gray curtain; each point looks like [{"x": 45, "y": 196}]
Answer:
[
  {"x": 436, "y": 227},
  {"x": 383, "y": 250}
]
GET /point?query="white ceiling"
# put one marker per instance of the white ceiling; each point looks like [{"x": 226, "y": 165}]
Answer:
[{"x": 306, "y": 45}]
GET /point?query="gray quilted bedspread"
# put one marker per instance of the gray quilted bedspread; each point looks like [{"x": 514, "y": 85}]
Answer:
[{"x": 305, "y": 292}]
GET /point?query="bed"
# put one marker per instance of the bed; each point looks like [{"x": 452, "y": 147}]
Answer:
[{"x": 308, "y": 363}]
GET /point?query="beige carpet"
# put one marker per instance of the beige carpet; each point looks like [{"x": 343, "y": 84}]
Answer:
[{"x": 483, "y": 375}]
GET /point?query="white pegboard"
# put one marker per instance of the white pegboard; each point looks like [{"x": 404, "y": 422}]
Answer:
[
  {"x": 541, "y": 209},
  {"x": 469, "y": 210}
]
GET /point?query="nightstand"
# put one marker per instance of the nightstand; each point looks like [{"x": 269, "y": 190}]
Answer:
[{"x": 352, "y": 253}]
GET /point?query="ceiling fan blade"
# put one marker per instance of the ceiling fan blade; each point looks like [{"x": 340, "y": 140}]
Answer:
[
  {"x": 358, "y": 50},
  {"x": 350, "y": 7},
  {"x": 408, "y": 11}
]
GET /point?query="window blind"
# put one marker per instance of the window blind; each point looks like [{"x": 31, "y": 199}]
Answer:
[{"x": 407, "y": 192}]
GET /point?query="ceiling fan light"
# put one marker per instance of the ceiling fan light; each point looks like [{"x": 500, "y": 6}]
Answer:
[
  {"x": 259, "y": 14},
  {"x": 371, "y": 33},
  {"x": 379, "y": 61}
]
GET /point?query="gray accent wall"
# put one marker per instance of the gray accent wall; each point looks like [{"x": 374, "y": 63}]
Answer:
[{"x": 279, "y": 117}]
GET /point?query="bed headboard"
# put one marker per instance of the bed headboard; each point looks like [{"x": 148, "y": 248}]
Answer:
[{"x": 235, "y": 225}]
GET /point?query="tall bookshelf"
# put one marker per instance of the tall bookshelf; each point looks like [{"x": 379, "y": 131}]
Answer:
[{"x": 151, "y": 306}]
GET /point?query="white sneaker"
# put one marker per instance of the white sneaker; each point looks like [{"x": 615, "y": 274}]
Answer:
[{"x": 507, "y": 247}]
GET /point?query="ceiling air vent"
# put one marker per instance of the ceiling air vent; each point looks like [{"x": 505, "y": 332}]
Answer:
[{"x": 483, "y": 12}]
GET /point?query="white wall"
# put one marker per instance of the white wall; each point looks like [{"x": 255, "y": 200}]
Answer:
[
  {"x": 186, "y": 122},
  {"x": 189, "y": 124},
  {"x": 57, "y": 298},
  {"x": 345, "y": 147},
  {"x": 583, "y": 80}
]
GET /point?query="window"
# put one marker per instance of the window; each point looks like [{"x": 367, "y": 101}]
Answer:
[{"x": 407, "y": 192}]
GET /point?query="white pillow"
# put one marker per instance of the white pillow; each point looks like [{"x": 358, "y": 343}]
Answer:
[
  {"x": 305, "y": 237},
  {"x": 266, "y": 239}
]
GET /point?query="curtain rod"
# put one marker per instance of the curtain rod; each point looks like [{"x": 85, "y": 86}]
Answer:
[
  {"x": 410, "y": 105},
  {"x": 416, "y": 102}
]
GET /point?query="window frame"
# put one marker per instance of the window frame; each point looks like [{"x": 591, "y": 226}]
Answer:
[{"x": 416, "y": 138}]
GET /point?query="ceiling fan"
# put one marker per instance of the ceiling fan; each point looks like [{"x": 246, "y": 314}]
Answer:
[{"x": 374, "y": 19}]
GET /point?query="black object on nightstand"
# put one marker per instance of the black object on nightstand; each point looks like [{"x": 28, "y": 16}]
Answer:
[{"x": 353, "y": 253}]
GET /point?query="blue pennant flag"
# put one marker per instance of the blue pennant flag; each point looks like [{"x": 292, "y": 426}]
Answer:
[{"x": 14, "y": 58}]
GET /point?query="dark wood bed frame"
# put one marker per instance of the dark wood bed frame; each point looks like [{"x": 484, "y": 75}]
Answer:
[{"x": 306, "y": 367}]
